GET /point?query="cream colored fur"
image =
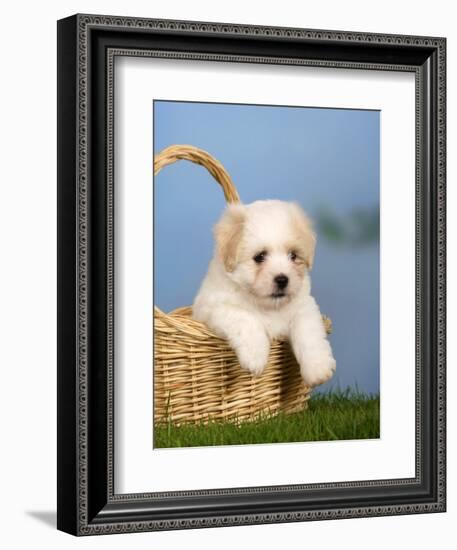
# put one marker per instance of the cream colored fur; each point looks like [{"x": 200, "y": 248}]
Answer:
[{"x": 240, "y": 300}]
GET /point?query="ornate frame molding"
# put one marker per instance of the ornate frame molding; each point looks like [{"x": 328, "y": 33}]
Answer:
[{"x": 86, "y": 508}]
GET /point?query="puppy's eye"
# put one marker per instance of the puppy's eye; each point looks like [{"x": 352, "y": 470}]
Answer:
[
  {"x": 260, "y": 257},
  {"x": 292, "y": 256}
]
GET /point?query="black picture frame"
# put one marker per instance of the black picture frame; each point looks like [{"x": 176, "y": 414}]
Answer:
[{"x": 87, "y": 45}]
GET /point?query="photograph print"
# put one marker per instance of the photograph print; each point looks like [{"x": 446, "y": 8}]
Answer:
[{"x": 266, "y": 248}]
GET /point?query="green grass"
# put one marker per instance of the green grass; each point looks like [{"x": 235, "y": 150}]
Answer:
[{"x": 330, "y": 416}]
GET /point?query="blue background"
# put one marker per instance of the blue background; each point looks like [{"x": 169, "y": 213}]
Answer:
[{"x": 325, "y": 159}]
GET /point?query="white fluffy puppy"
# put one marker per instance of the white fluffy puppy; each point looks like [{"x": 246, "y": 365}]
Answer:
[{"x": 258, "y": 288}]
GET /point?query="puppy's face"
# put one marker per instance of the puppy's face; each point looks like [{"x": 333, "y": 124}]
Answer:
[{"x": 267, "y": 248}]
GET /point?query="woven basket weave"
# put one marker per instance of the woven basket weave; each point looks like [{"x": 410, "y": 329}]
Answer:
[{"x": 196, "y": 375}]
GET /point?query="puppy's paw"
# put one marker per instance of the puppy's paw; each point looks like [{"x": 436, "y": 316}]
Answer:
[
  {"x": 253, "y": 352},
  {"x": 316, "y": 370}
]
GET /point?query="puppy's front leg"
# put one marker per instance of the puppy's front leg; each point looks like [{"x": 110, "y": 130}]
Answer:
[
  {"x": 310, "y": 345},
  {"x": 245, "y": 334}
]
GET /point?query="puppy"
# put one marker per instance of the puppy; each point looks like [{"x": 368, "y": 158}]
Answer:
[{"x": 258, "y": 288}]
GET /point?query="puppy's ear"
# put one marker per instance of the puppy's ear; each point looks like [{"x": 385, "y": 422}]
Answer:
[
  {"x": 228, "y": 232},
  {"x": 305, "y": 234}
]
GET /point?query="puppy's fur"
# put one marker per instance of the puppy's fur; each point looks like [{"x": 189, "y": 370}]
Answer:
[{"x": 258, "y": 288}]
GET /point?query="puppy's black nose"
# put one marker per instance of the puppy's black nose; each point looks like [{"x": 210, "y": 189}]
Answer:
[{"x": 281, "y": 281}]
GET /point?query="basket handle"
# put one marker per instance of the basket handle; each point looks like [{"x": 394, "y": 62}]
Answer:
[{"x": 171, "y": 154}]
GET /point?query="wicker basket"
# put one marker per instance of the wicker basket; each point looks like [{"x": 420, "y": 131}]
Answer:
[{"x": 196, "y": 375}]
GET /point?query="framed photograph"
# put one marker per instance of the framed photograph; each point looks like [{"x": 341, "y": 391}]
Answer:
[{"x": 251, "y": 274}]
